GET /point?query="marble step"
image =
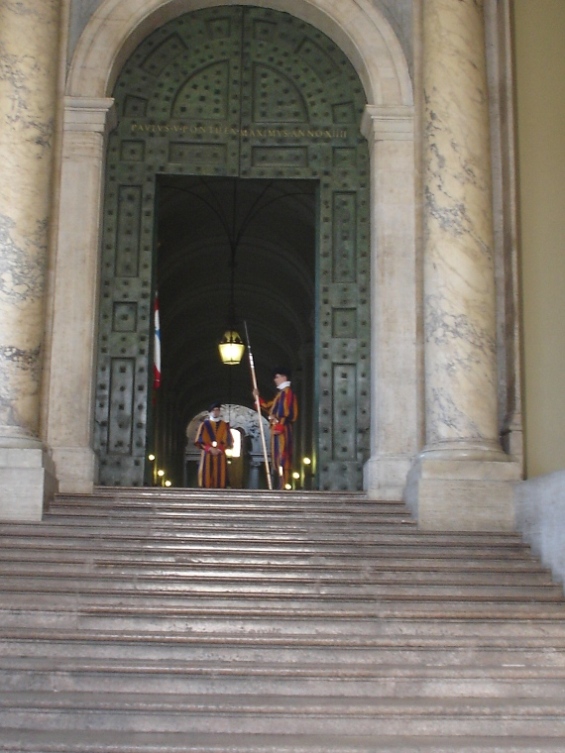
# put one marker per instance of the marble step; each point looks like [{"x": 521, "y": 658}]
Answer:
[
  {"x": 41, "y": 612},
  {"x": 191, "y": 588},
  {"x": 182, "y": 646},
  {"x": 314, "y": 529},
  {"x": 114, "y": 522},
  {"x": 354, "y": 575},
  {"x": 345, "y": 525},
  {"x": 116, "y": 741},
  {"x": 247, "y": 714},
  {"x": 244, "y": 505},
  {"x": 386, "y": 559},
  {"x": 210, "y": 500},
  {"x": 247, "y": 503},
  {"x": 188, "y": 513},
  {"x": 317, "y": 543},
  {"x": 179, "y": 605},
  {"x": 160, "y": 495},
  {"x": 93, "y": 547},
  {"x": 68, "y": 674}
]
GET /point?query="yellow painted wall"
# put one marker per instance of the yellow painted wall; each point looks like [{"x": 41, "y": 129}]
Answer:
[{"x": 540, "y": 98}]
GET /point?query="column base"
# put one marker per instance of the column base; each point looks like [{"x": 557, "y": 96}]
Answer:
[
  {"x": 385, "y": 477},
  {"x": 27, "y": 482},
  {"x": 77, "y": 468},
  {"x": 463, "y": 494}
]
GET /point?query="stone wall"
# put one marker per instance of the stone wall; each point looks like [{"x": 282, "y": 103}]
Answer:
[{"x": 540, "y": 516}]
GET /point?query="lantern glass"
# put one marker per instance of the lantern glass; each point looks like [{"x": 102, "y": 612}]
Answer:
[{"x": 231, "y": 348}]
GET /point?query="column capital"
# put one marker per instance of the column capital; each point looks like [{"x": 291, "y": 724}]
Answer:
[
  {"x": 93, "y": 114},
  {"x": 388, "y": 123}
]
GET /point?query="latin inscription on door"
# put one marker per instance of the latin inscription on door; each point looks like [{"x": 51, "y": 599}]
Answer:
[{"x": 253, "y": 93}]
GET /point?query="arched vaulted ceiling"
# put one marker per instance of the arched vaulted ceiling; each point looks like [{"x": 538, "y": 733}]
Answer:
[{"x": 267, "y": 229}]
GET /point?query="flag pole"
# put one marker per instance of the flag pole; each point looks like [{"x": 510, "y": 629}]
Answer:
[{"x": 258, "y": 406}]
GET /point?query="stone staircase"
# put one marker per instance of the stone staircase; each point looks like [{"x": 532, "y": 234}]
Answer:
[{"x": 136, "y": 621}]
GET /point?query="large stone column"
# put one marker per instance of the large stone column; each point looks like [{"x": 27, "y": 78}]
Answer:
[
  {"x": 28, "y": 85},
  {"x": 462, "y": 480},
  {"x": 394, "y": 362},
  {"x": 76, "y": 267}
]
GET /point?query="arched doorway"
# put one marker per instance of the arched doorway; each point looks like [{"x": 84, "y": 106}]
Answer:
[
  {"x": 362, "y": 31},
  {"x": 227, "y": 115}
]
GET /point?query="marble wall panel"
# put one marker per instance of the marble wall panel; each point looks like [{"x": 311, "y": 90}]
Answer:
[{"x": 28, "y": 64}]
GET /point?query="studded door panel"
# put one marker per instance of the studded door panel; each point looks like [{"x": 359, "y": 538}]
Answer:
[{"x": 253, "y": 93}]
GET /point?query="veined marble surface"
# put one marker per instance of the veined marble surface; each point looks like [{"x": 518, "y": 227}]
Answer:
[
  {"x": 28, "y": 66},
  {"x": 459, "y": 294}
]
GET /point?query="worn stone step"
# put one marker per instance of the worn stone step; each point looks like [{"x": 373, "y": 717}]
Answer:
[
  {"x": 217, "y": 502},
  {"x": 82, "y": 643},
  {"x": 191, "y": 587},
  {"x": 386, "y": 559},
  {"x": 103, "y": 495},
  {"x": 354, "y": 679},
  {"x": 261, "y": 715},
  {"x": 234, "y": 520},
  {"x": 277, "y": 531},
  {"x": 116, "y": 741},
  {"x": 117, "y": 526},
  {"x": 40, "y": 610},
  {"x": 198, "y": 546},
  {"x": 228, "y": 514},
  {"x": 159, "y": 492},
  {"x": 352, "y": 574},
  {"x": 231, "y": 516},
  {"x": 242, "y": 510},
  {"x": 317, "y": 608},
  {"x": 91, "y": 548},
  {"x": 297, "y": 635},
  {"x": 314, "y": 535},
  {"x": 362, "y": 570},
  {"x": 281, "y": 585}
]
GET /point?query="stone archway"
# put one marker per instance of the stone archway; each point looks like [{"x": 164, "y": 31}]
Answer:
[
  {"x": 356, "y": 26},
  {"x": 367, "y": 39},
  {"x": 238, "y": 109}
]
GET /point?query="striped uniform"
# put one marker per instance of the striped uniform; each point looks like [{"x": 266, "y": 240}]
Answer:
[
  {"x": 285, "y": 410},
  {"x": 213, "y": 469}
]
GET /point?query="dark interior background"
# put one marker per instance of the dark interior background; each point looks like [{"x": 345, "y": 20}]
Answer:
[{"x": 224, "y": 240}]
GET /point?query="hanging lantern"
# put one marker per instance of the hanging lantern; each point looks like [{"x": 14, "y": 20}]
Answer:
[{"x": 231, "y": 348}]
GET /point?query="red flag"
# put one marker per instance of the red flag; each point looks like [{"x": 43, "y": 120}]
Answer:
[{"x": 156, "y": 345}]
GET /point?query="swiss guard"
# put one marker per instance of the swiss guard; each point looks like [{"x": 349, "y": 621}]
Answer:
[{"x": 213, "y": 438}]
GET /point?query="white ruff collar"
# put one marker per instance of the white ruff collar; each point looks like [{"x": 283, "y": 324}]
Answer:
[{"x": 282, "y": 385}]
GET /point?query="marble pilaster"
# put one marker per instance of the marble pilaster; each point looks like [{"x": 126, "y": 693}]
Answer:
[
  {"x": 28, "y": 77},
  {"x": 76, "y": 291},
  {"x": 394, "y": 362},
  {"x": 462, "y": 479}
]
